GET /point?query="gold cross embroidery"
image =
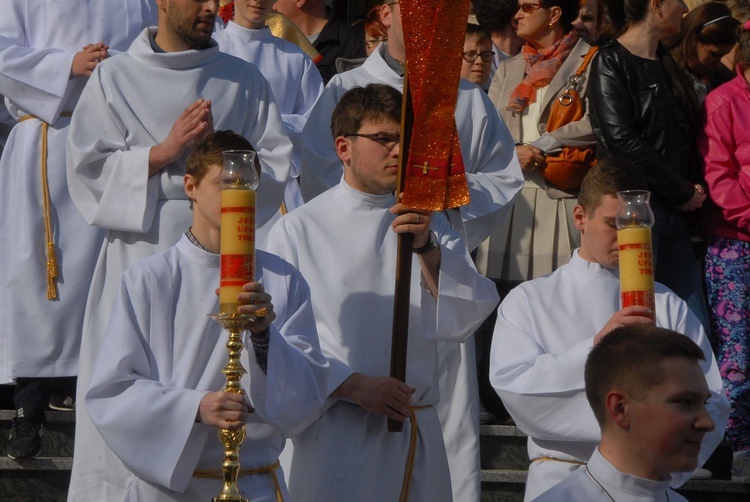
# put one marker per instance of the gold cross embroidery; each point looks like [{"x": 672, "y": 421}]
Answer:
[{"x": 426, "y": 167}]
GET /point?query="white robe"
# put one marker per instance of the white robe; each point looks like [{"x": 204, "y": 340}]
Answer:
[
  {"x": 343, "y": 244},
  {"x": 38, "y": 41},
  {"x": 603, "y": 479},
  {"x": 163, "y": 354},
  {"x": 294, "y": 80},
  {"x": 494, "y": 178},
  {"x": 545, "y": 329},
  {"x": 129, "y": 106}
]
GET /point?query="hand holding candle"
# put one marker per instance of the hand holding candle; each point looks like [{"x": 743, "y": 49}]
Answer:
[
  {"x": 634, "y": 221},
  {"x": 239, "y": 179}
]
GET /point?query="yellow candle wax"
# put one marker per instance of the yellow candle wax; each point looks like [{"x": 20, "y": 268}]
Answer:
[
  {"x": 237, "y": 245},
  {"x": 636, "y": 266}
]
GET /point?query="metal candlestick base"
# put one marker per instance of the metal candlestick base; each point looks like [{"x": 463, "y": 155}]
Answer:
[{"x": 235, "y": 324}]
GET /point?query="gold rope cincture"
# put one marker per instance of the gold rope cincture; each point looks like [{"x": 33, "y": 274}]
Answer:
[
  {"x": 409, "y": 469},
  {"x": 553, "y": 459},
  {"x": 52, "y": 267},
  {"x": 267, "y": 469}
]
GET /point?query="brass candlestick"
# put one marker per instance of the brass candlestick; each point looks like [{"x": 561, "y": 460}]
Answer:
[
  {"x": 238, "y": 181},
  {"x": 235, "y": 324}
]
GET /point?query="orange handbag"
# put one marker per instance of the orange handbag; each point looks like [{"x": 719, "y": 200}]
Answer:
[{"x": 566, "y": 169}]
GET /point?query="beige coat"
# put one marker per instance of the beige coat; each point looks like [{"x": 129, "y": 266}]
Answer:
[{"x": 510, "y": 73}]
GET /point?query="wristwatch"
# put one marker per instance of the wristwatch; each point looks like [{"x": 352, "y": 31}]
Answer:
[{"x": 432, "y": 243}]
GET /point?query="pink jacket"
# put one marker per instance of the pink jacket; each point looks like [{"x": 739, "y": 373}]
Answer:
[{"x": 725, "y": 146}]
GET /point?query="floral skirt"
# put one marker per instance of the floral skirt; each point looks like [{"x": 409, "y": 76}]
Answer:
[{"x": 728, "y": 290}]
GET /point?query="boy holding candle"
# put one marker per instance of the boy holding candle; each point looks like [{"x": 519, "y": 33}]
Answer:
[
  {"x": 646, "y": 388},
  {"x": 154, "y": 394},
  {"x": 546, "y": 328}
]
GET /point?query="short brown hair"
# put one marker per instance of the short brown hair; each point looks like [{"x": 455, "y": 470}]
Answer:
[
  {"x": 208, "y": 152},
  {"x": 373, "y": 102},
  {"x": 476, "y": 32},
  {"x": 629, "y": 359},
  {"x": 607, "y": 177}
]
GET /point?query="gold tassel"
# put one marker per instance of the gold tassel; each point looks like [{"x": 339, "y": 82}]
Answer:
[
  {"x": 51, "y": 271},
  {"x": 52, "y": 265}
]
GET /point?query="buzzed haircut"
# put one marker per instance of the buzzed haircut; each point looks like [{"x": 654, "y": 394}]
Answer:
[
  {"x": 208, "y": 152},
  {"x": 607, "y": 177},
  {"x": 629, "y": 359},
  {"x": 376, "y": 102}
]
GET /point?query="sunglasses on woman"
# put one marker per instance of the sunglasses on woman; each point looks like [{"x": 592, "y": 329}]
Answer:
[{"x": 528, "y": 8}]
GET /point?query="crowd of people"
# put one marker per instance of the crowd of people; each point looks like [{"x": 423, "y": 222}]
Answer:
[{"x": 111, "y": 138}]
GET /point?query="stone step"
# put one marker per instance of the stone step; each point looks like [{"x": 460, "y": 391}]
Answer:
[
  {"x": 57, "y": 441},
  {"x": 503, "y": 447},
  {"x": 45, "y": 478},
  {"x": 504, "y": 462}
]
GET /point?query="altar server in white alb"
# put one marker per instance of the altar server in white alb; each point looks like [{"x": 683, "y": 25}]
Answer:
[
  {"x": 344, "y": 243},
  {"x": 139, "y": 114},
  {"x": 648, "y": 393},
  {"x": 494, "y": 178},
  {"x": 294, "y": 79},
  {"x": 546, "y": 328},
  {"x": 48, "y": 251},
  {"x": 155, "y": 389}
]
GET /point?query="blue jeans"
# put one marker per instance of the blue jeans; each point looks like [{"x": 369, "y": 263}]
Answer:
[{"x": 676, "y": 263}]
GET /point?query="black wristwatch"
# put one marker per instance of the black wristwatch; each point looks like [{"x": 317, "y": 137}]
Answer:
[{"x": 432, "y": 243}]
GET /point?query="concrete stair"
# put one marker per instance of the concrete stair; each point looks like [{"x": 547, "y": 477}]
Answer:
[
  {"x": 503, "y": 456},
  {"x": 505, "y": 463},
  {"x": 46, "y": 477}
]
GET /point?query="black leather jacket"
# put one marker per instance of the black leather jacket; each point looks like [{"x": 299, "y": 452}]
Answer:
[{"x": 636, "y": 117}]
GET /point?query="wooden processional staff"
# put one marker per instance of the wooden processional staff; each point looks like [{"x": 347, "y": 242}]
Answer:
[{"x": 431, "y": 169}]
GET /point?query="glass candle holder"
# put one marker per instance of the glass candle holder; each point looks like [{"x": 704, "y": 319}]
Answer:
[
  {"x": 634, "y": 221},
  {"x": 239, "y": 180}
]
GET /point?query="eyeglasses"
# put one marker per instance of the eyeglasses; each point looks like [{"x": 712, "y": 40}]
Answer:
[
  {"x": 472, "y": 56},
  {"x": 387, "y": 139},
  {"x": 374, "y": 42},
  {"x": 528, "y": 8},
  {"x": 392, "y": 3}
]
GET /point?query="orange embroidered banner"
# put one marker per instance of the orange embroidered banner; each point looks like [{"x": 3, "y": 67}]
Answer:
[{"x": 434, "y": 32}]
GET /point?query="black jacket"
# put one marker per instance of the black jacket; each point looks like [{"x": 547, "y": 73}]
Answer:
[
  {"x": 338, "y": 40},
  {"x": 636, "y": 117}
]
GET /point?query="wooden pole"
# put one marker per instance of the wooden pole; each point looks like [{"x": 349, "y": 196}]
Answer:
[{"x": 404, "y": 256}]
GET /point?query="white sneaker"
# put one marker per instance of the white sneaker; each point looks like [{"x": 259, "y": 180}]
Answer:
[
  {"x": 741, "y": 466},
  {"x": 701, "y": 473}
]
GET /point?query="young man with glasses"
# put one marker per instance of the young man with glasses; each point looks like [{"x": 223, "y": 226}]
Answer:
[
  {"x": 344, "y": 243},
  {"x": 494, "y": 178}
]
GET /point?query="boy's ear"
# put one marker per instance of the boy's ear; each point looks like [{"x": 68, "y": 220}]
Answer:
[
  {"x": 579, "y": 217},
  {"x": 190, "y": 186},
  {"x": 343, "y": 149},
  {"x": 385, "y": 16},
  {"x": 617, "y": 405}
]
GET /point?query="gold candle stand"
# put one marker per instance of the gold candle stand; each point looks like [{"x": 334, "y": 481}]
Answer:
[{"x": 235, "y": 324}]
